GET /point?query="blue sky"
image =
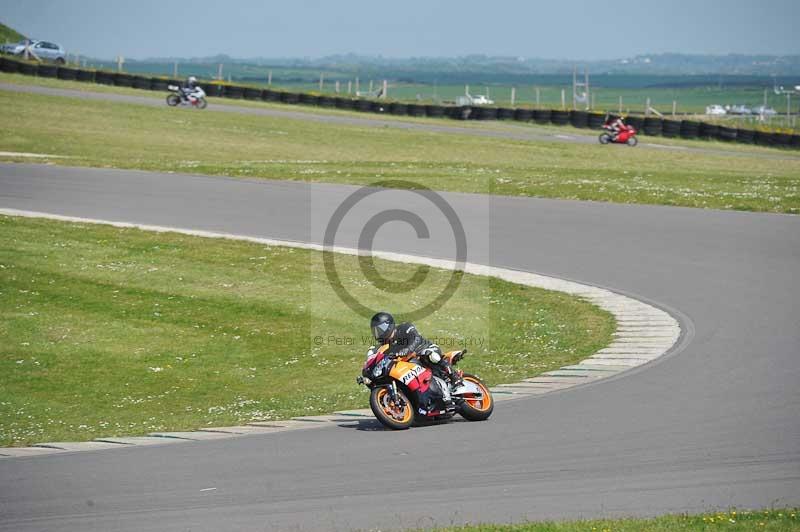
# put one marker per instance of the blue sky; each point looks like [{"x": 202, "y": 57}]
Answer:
[{"x": 574, "y": 29}]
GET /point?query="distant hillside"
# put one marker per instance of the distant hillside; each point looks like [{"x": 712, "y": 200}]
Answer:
[{"x": 9, "y": 34}]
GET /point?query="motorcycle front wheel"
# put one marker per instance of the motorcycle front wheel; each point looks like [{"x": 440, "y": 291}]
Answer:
[
  {"x": 202, "y": 103},
  {"x": 396, "y": 415},
  {"x": 173, "y": 100},
  {"x": 476, "y": 408},
  {"x": 604, "y": 138},
  {"x": 632, "y": 142}
]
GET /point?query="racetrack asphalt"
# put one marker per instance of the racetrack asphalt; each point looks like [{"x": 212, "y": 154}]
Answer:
[
  {"x": 714, "y": 424},
  {"x": 500, "y": 129}
]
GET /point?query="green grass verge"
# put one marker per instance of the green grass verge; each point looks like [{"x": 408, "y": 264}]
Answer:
[
  {"x": 107, "y": 134},
  {"x": 107, "y": 331},
  {"x": 773, "y": 520}
]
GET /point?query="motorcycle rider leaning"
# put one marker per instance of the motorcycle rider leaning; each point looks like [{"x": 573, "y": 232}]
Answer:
[{"x": 404, "y": 339}]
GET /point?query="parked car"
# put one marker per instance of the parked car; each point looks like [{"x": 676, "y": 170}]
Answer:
[
  {"x": 46, "y": 51},
  {"x": 764, "y": 110},
  {"x": 740, "y": 110},
  {"x": 715, "y": 110},
  {"x": 478, "y": 99}
]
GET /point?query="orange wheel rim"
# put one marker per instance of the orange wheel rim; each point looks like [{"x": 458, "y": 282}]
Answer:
[
  {"x": 481, "y": 404},
  {"x": 391, "y": 409}
]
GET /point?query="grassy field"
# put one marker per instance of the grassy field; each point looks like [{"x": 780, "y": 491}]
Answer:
[
  {"x": 107, "y": 331},
  {"x": 772, "y": 520},
  {"x": 106, "y": 134}
]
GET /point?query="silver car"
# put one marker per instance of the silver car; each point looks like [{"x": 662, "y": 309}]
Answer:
[{"x": 47, "y": 51}]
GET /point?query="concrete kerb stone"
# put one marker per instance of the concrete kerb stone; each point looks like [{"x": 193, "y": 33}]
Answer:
[
  {"x": 79, "y": 445},
  {"x": 139, "y": 440},
  {"x": 644, "y": 333},
  {"x": 20, "y": 452}
]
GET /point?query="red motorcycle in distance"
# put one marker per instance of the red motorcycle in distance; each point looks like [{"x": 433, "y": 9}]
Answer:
[{"x": 626, "y": 135}]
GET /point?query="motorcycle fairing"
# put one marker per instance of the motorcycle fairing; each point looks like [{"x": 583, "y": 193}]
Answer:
[
  {"x": 468, "y": 387},
  {"x": 415, "y": 377}
]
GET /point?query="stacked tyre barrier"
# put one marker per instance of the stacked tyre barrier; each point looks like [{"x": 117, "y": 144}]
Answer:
[
  {"x": 708, "y": 131},
  {"x": 690, "y": 129},
  {"x": 559, "y": 118},
  {"x": 523, "y": 115},
  {"x": 745, "y": 136},
  {"x": 727, "y": 134},
  {"x": 250, "y": 93},
  {"x": 435, "y": 111},
  {"x": 542, "y": 116},
  {"x": 123, "y": 80},
  {"x": 290, "y": 97},
  {"x": 233, "y": 91},
  {"x": 142, "y": 83},
  {"x": 104, "y": 78},
  {"x": 29, "y": 69},
  {"x": 484, "y": 113},
  {"x": 86, "y": 76},
  {"x": 8, "y": 66},
  {"x": 671, "y": 128},
  {"x": 365, "y": 106},
  {"x": 415, "y": 109},
  {"x": 653, "y": 126},
  {"x": 326, "y": 101},
  {"x": 69, "y": 74},
  {"x": 270, "y": 95},
  {"x": 504, "y": 113},
  {"x": 459, "y": 113},
  {"x": 47, "y": 71},
  {"x": 596, "y": 120},
  {"x": 579, "y": 119},
  {"x": 650, "y": 125},
  {"x": 305, "y": 98},
  {"x": 397, "y": 108},
  {"x": 346, "y": 104}
]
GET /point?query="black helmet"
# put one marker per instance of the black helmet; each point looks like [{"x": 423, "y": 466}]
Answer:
[{"x": 383, "y": 327}]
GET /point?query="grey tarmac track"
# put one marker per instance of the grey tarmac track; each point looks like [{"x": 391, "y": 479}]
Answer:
[
  {"x": 501, "y": 130},
  {"x": 716, "y": 423}
]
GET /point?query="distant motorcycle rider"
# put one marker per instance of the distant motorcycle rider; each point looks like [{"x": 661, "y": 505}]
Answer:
[
  {"x": 615, "y": 124},
  {"x": 404, "y": 339},
  {"x": 188, "y": 88}
]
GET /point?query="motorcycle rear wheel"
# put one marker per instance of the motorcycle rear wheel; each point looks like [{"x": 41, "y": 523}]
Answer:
[
  {"x": 604, "y": 138},
  {"x": 173, "y": 100},
  {"x": 474, "y": 409},
  {"x": 632, "y": 141},
  {"x": 389, "y": 413}
]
